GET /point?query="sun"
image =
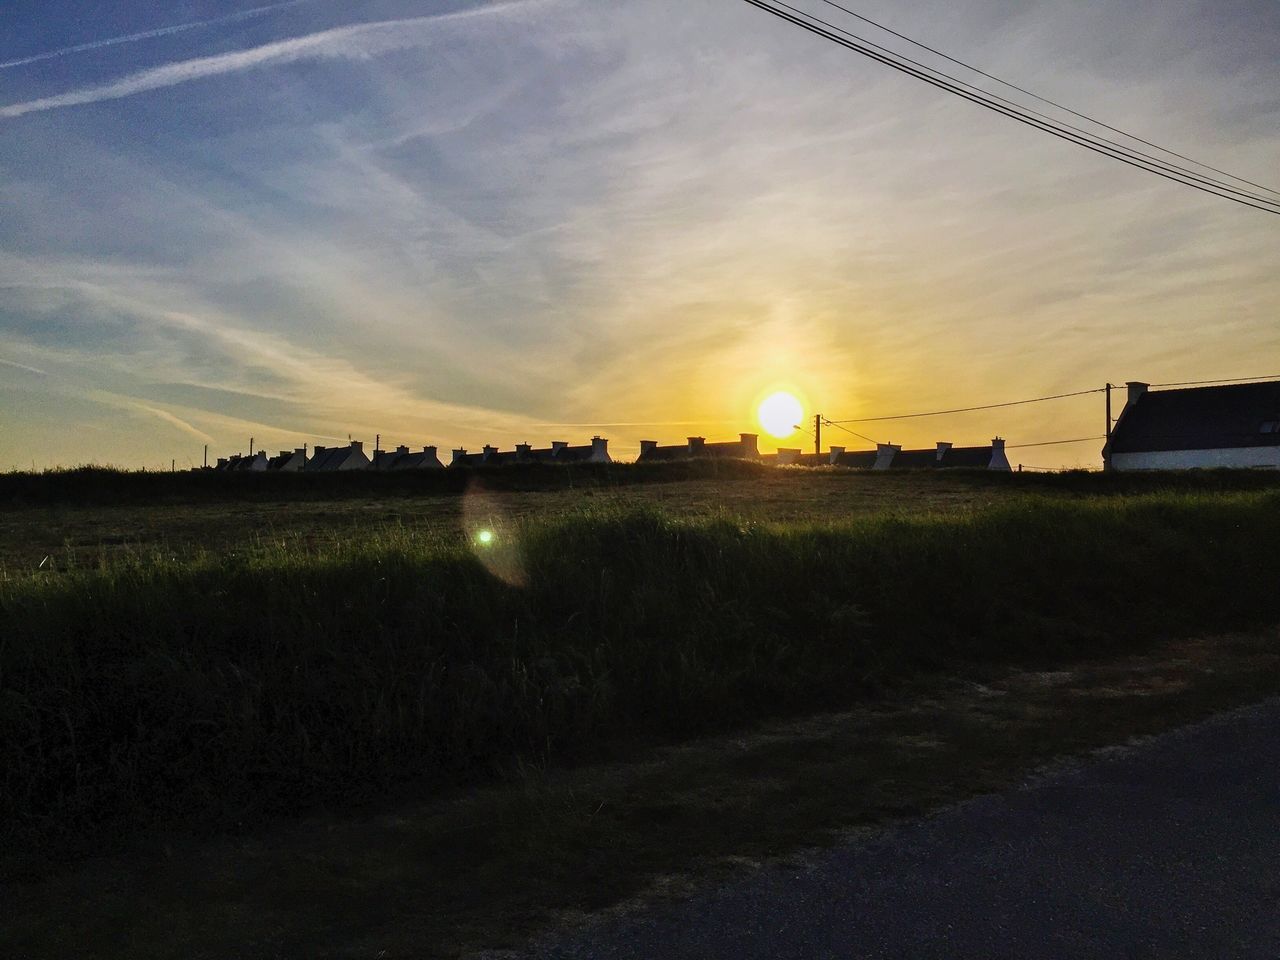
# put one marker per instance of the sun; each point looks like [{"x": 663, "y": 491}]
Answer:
[{"x": 780, "y": 414}]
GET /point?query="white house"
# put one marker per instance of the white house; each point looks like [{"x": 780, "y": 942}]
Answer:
[
  {"x": 890, "y": 456},
  {"x": 1236, "y": 425}
]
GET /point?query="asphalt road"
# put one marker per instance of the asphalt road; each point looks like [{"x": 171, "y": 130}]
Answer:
[{"x": 1168, "y": 849}]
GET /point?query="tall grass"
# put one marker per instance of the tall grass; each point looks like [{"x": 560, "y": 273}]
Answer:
[
  {"x": 99, "y": 486},
  {"x": 229, "y": 686}
]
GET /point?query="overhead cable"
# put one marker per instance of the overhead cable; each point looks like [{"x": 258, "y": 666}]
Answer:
[
  {"x": 985, "y": 406},
  {"x": 832, "y": 423},
  {"x": 1051, "y": 443},
  {"x": 960, "y": 88},
  {"x": 1200, "y": 383},
  {"x": 1045, "y": 100}
]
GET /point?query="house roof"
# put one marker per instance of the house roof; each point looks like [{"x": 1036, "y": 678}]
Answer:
[
  {"x": 859, "y": 459},
  {"x": 973, "y": 457},
  {"x": 1200, "y": 418},
  {"x": 675, "y": 452},
  {"x": 728, "y": 450},
  {"x": 247, "y": 463},
  {"x": 331, "y": 458},
  {"x": 914, "y": 460},
  {"x": 414, "y": 461}
]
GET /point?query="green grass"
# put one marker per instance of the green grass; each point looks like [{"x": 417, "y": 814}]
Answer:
[{"x": 227, "y": 687}]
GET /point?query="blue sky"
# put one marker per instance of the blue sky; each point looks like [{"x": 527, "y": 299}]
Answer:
[{"x": 460, "y": 223}]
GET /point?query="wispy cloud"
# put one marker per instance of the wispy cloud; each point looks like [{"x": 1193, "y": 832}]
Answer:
[
  {"x": 174, "y": 421},
  {"x": 150, "y": 34},
  {"x": 360, "y": 41}
]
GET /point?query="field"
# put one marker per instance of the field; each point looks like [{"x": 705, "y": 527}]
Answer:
[{"x": 177, "y": 658}]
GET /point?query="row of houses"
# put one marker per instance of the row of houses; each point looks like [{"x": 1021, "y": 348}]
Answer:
[
  {"x": 352, "y": 456},
  {"x": 1233, "y": 425},
  {"x": 886, "y": 456}
]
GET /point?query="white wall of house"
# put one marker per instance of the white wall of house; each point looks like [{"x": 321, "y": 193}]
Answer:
[
  {"x": 1198, "y": 459},
  {"x": 884, "y": 455},
  {"x": 999, "y": 460}
]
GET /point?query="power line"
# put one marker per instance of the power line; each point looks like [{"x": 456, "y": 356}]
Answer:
[
  {"x": 1051, "y": 443},
  {"x": 986, "y": 406},
  {"x": 1023, "y": 109},
  {"x": 957, "y": 87},
  {"x": 1199, "y": 383},
  {"x": 1013, "y": 109},
  {"x": 1034, "y": 95},
  {"x": 832, "y": 423}
]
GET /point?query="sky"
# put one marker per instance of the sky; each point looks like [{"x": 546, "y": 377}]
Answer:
[{"x": 460, "y": 223}]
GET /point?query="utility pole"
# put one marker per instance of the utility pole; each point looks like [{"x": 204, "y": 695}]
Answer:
[
  {"x": 1108, "y": 411},
  {"x": 251, "y": 446},
  {"x": 817, "y": 435}
]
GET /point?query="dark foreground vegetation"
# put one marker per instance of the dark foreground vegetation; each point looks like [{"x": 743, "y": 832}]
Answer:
[
  {"x": 231, "y": 687},
  {"x": 100, "y": 486}
]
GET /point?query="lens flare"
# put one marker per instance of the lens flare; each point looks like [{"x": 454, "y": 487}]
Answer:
[{"x": 494, "y": 539}]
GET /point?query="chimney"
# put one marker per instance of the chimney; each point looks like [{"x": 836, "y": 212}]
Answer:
[
  {"x": 357, "y": 446},
  {"x": 1136, "y": 389},
  {"x": 429, "y": 451},
  {"x": 558, "y": 445},
  {"x": 599, "y": 449},
  {"x": 489, "y": 450},
  {"x": 835, "y": 455},
  {"x": 301, "y": 450},
  {"x": 648, "y": 446},
  {"x": 522, "y": 451},
  {"x": 222, "y": 463},
  {"x": 943, "y": 447},
  {"x": 884, "y": 455},
  {"x": 750, "y": 443},
  {"x": 402, "y": 450},
  {"x": 998, "y": 460},
  {"x": 457, "y": 456},
  {"x": 319, "y": 450},
  {"x": 696, "y": 444}
]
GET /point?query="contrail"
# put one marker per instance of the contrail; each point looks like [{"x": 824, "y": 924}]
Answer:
[
  {"x": 149, "y": 34},
  {"x": 359, "y": 41},
  {"x": 23, "y": 366}
]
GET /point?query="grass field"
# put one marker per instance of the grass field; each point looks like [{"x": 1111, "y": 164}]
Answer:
[
  {"x": 189, "y": 666},
  {"x": 228, "y": 660}
]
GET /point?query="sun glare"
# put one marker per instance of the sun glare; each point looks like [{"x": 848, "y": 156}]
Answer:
[{"x": 779, "y": 414}]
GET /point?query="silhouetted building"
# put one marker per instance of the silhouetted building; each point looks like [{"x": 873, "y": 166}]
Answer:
[
  {"x": 1235, "y": 425},
  {"x": 891, "y": 456},
  {"x": 426, "y": 459},
  {"x": 856, "y": 459},
  {"x": 242, "y": 464},
  {"x": 560, "y": 451},
  {"x": 332, "y": 459},
  {"x": 289, "y": 461},
  {"x": 697, "y": 448}
]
